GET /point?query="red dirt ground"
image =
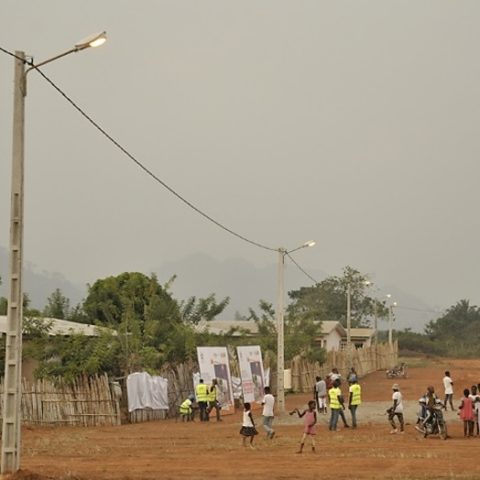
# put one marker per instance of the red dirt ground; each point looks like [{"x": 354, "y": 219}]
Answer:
[{"x": 171, "y": 450}]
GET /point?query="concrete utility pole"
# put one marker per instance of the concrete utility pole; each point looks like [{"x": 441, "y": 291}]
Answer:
[
  {"x": 390, "y": 325},
  {"x": 280, "y": 332},
  {"x": 282, "y": 252},
  {"x": 12, "y": 395},
  {"x": 349, "y": 326}
]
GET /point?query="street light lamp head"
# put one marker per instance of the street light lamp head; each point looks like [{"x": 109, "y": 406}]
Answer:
[
  {"x": 388, "y": 295},
  {"x": 394, "y": 304},
  {"x": 310, "y": 243},
  {"x": 368, "y": 283},
  {"x": 92, "y": 41}
]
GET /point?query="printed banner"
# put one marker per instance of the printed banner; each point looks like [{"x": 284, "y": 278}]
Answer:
[
  {"x": 213, "y": 363},
  {"x": 251, "y": 371}
]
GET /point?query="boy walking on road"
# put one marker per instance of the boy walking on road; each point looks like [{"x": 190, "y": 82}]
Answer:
[
  {"x": 448, "y": 384},
  {"x": 396, "y": 410},
  {"x": 268, "y": 404}
]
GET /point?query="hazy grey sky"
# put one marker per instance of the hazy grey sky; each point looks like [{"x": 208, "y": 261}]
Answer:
[{"x": 354, "y": 123}]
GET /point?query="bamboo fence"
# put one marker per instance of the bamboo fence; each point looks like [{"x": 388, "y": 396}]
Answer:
[
  {"x": 85, "y": 402},
  {"x": 364, "y": 360}
]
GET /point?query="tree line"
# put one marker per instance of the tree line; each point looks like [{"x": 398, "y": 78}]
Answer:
[{"x": 143, "y": 327}]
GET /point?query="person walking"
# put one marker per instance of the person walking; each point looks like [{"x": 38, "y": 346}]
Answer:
[
  {"x": 354, "y": 399},
  {"x": 396, "y": 410},
  {"x": 448, "y": 385},
  {"x": 201, "y": 392},
  {"x": 320, "y": 395},
  {"x": 267, "y": 413},
  {"x": 248, "y": 429},
  {"x": 336, "y": 405},
  {"x": 466, "y": 413},
  {"x": 309, "y": 424},
  {"x": 476, "y": 405},
  {"x": 212, "y": 399},
  {"x": 341, "y": 412}
]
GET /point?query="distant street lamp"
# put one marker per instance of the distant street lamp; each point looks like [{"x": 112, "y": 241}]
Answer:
[
  {"x": 12, "y": 396},
  {"x": 282, "y": 252},
  {"x": 390, "y": 320},
  {"x": 367, "y": 283}
]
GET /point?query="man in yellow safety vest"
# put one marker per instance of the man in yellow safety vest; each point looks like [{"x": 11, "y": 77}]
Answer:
[
  {"x": 201, "y": 392},
  {"x": 336, "y": 404},
  {"x": 186, "y": 410},
  {"x": 212, "y": 398},
  {"x": 354, "y": 399}
]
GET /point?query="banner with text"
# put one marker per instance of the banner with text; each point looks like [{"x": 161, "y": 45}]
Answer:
[
  {"x": 213, "y": 363},
  {"x": 251, "y": 371}
]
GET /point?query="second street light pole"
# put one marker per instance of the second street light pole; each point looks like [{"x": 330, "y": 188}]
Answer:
[
  {"x": 282, "y": 252},
  {"x": 280, "y": 333},
  {"x": 349, "y": 326}
]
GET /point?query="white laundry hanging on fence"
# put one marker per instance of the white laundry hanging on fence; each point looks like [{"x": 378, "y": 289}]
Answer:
[{"x": 145, "y": 391}]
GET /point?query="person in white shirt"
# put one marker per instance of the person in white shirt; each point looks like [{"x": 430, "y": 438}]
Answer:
[
  {"x": 448, "y": 384},
  {"x": 268, "y": 404},
  {"x": 320, "y": 395},
  {"x": 396, "y": 410}
]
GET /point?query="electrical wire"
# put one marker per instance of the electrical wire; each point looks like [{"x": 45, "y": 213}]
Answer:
[
  {"x": 135, "y": 160},
  {"x": 301, "y": 269}
]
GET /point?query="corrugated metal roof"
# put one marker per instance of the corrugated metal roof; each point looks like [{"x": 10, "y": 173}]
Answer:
[
  {"x": 60, "y": 327},
  {"x": 220, "y": 327}
]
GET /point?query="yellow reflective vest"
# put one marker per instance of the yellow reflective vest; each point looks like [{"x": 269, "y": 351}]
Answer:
[
  {"x": 201, "y": 392},
  {"x": 356, "y": 391},
  {"x": 212, "y": 393},
  {"x": 333, "y": 395},
  {"x": 186, "y": 407}
]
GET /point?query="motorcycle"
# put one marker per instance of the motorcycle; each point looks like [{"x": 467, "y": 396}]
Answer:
[
  {"x": 433, "y": 422},
  {"x": 397, "y": 371}
]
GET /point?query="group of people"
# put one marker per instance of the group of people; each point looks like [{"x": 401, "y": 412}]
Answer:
[
  {"x": 327, "y": 393},
  {"x": 468, "y": 409},
  {"x": 206, "y": 399}
]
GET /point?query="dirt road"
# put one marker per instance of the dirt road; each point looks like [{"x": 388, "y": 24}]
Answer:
[{"x": 171, "y": 450}]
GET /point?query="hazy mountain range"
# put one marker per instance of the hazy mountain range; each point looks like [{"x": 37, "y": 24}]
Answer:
[{"x": 200, "y": 275}]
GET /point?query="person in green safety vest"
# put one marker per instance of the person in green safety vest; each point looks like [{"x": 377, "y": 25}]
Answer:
[
  {"x": 201, "y": 392},
  {"x": 186, "y": 409},
  {"x": 213, "y": 402},
  {"x": 354, "y": 399}
]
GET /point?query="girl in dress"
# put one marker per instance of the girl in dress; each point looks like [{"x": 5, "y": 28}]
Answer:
[
  {"x": 310, "y": 421},
  {"x": 466, "y": 413},
  {"x": 248, "y": 426}
]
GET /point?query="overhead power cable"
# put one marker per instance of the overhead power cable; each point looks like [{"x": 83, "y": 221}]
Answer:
[
  {"x": 301, "y": 269},
  {"x": 135, "y": 160}
]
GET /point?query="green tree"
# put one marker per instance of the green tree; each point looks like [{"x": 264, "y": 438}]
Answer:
[
  {"x": 327, "y": 300},
  {"x": 194, "y": 310},
  {"x": 58, "y": 306},
  {"x": 300, "y": 333},
  {"x": 458, "y": 330}
]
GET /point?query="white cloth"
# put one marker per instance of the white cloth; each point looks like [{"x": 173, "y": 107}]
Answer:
[
  {"x": 268, "y": 404},
  {"x": 398, "y": 397},
  {"x": 448, "y": 384},
  {"x": 266, "y": 377},
  {"x": 145, "y": 391},
  {"x": 247, "y": 421},
  {"x": 236, "y": 387}
]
